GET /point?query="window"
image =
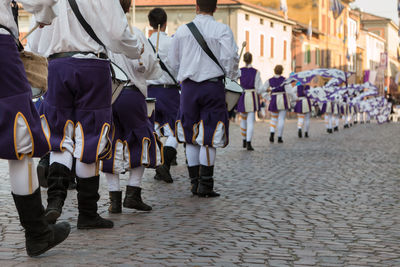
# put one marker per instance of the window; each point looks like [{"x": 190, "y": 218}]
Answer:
[
  {"x": 329, "y": 26},
  {"x": 261, "y": 45},
  {"x": 323, "y": 3},
  {"x": 272, "y": 47},
  {"x": 323, "y": 23},
  {"x": 271, "y": 24},
  {"x": 284, "y": 28},
  {"x": 317, "y": 57},
  {"x": 246, "y": 17},
  {"x": 307, "y": 54},
  {"x": 247, "y": 41},
  {"x": 262, "y": 21},
  {"x": 284, "y": 50}
]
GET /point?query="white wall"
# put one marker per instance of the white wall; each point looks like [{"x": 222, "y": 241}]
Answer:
[
  {"x": 352, "y": 43},
  {"x": 265, "y": 64},
  {"x": 374, "y": 48}
]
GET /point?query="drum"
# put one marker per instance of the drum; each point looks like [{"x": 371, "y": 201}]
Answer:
[
  {"x": 233, "y": 91},
  {"x": 36, "y": 68},
  {"x": 119, "y": 81},
  {"x": 151, "y": 106}
]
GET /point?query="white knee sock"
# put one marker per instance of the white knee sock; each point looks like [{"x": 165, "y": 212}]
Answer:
[
  {"x": 307, "y": 122},
  {"x": 84, "y": 170},
  {"x": 65, "y": 158},
  {"x": 330, "y": 121},
  {"x": 243, "y": 125},
  {"x": 207, "y": 156},
  {"x": 135, "y": 176},
  {"x": 250, "y": 126},
  {"x": 281, "y": 122},
  {"x": 337, "y": 121},
  {"x": 193, "y": 155},
  {"x": 21, "y": 182},
  {"x": 171, "y": 141},
  {"x": 300, "y": 121},
  {"x": 326, "y": 119},
  {"x": 113, "y": 182},
  {"x": 274, "y": 122}
]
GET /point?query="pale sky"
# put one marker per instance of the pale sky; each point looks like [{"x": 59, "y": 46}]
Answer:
[{"x": 383, "y": 8}]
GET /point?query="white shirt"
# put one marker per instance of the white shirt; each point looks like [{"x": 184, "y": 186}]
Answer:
[
  {"x": 66, "y": 34},
  {"x": 189, "y": 60},
  {"x": 139, "y": 73},
  {"x": 289, "y": 89},
  {"x": 163, "y": 48},
  {"x": 41, "y": 9}
]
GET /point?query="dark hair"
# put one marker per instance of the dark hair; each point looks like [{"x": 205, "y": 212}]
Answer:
[
  {"x": 278, "y": 69},
  {"x": 126, "y": 5},
  {"x": 207, "y": 6},
  {"x": 157, "y": 16},
  {"x": 248, "y": 58}
]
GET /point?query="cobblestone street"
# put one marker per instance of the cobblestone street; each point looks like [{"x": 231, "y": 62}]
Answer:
[{"x": 329, "y": 200}]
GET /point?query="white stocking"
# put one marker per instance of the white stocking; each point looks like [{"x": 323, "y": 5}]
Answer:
[
  {"x": 243, "y": 125},
  {"x": 207, "y": 156},
  {"x": 84, "y": 170},
  {"x": 281, "y": 122},
  {"x": 251, "y": 116},
  {"x": 300, "y": 121},
  {"x": 274, "y": 122},
  {"x": 192, "y": 155},
  {"x": 135, "y": 176},
  {"x": 307, "y": 122},
  {"x": 113, "y": 182},
  {"x": 23, "y": 182},
  {"x": 64, "y": 158}
]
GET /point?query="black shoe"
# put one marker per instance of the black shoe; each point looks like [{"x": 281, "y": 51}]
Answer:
[
  {"x": 58, "y": 181},
  {"x": 361, "y": 122},
  {"x": 351, "y": 125},
  {"x": 244, "y": 145},
  {"x": 271, "y": 137},
  {"x": 346, "y": 126},
  {"x": 163, "y": 171},
  {"x": 88, "y": 196},
  {"x": 306, "y": 135},
  {"x": 194, "y": 174},
  {"x": 206, "y": 182},
  {"x": 174, "y": 161},
  {"x": 329, "y": 131},
  {"x": 280, "y": 140},
  {"x": 299, "y": 133},
  {"x": 355, "y": 123},
  {"x": 336, "y": 129},
  {"x": 368, "y": 122},
  {"x": 39, "y": 235},
  {"x": 115, "y": 202},
  {"x": 42, "y": 170},
  {"x": 249, "y": 147},
  {"x": 133, "y": 199}
]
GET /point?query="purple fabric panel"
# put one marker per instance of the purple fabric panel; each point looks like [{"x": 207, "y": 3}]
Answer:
[
  {"x": 204, "y": 101},
  {"x": 132, "y": 126},
  {"x": 15, "y": 97},
  {"x": 80, "y": 91},
  {"x": 248, "y": 77},
  {"x": 167, "y": 105},
  {"x": 277, "y": 84},
  {"x": 273, "y": 107}
]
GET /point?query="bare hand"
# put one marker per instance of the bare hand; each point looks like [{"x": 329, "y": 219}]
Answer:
[{"x": 41, "y": 25}]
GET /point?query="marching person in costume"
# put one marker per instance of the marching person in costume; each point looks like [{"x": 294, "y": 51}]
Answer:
[
  {"x": 249, "y": 102},
  {"x": 303, "y": 110},
  {"x": 202, "y": 121},
  {"x": 77, "y": 106},
  {"x": 281, "y": 96},
  {"x": 135, "y": 143},
  {"x": 21, "y": 132},
  {"x": 166, "y": 91}
]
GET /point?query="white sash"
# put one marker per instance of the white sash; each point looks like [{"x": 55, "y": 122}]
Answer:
[{"x": 250, "y": 97}]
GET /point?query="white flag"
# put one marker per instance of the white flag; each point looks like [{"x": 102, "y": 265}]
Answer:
[
  {"x": 284, "y": 8},
  {"x": 309, "y": 30}
]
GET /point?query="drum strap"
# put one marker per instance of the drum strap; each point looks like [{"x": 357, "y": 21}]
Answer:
[
  {"x": 203, "y": 44},
  {"x": 162, "y": 65}
]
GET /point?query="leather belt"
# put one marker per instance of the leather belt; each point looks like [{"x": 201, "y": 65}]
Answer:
[
  {"x": 71, "y": 54},
  {"x": 216, "y": 79}
]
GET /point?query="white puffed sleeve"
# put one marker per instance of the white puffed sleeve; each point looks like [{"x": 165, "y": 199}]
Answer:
[
  {"x": 229, "y": 58},
  {"x": 41, "y": 9}
]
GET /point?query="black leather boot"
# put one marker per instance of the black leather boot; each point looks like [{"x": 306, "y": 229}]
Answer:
[
  {"x": 306, "y": 135},
  {"x": 39, "y": 235},
  {"x": 194, "y": 174},
  {"x": 329, "y": 131},
  {"x": 88, "y": 196},
  {"x": 133, "y": 199},
  {"x": 280, "y": 140},
  {"x": 42, "y": 170},
  {"x": 271, "y": 137},
  {"x": 174, "y": 161},
  {"x": 346, "y": 126},
  {"x": 58, "y": 181},
  {"x": 299, "y": 133},
  {"x": 163, "y": 171},
  {"x": 206, "y": 182},
  {"x": 244, "y": 145},
  {"x": 249, "y": 147},
  {"x": 336, "y": 129},
  {"x": 115, "y": 202}
]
